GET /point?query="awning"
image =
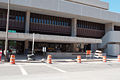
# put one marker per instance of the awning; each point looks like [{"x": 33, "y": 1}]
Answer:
[{"x": 48, "y": 38}]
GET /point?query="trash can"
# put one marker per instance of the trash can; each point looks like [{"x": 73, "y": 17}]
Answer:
[{"x": 31, "y": 57}]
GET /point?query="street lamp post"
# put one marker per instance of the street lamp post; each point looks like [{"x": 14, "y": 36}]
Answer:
[{"x": 7, "y": 25}]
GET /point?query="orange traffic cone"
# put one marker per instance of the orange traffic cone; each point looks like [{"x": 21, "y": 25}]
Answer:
[
  {"x": 104, "y": 59},
  {"x": 12, "y": 59},
  {"x": 118, "y": 58},
  {"x": 49, "y": 59},
  {"x": 79, "y": 59}
]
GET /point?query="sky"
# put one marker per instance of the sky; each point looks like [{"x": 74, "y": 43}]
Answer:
[{"x": 114, "y": 5}]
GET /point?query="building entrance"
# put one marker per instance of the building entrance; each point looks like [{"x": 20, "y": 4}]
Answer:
[
  {"x": 50, "y": 47},
  {"x": 18, "y": 48},
  {"x": 57, "y": 47}
]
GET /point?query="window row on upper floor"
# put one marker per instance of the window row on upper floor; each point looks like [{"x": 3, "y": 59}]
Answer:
[
  {"x": 90, "y": 25},
  {"x": 51, "y": 20},
  {"x": 14, "y": 15}
]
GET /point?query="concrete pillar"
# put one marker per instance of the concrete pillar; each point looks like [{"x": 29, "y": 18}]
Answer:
[
  {"x": 74, "y": 33},
  {"x": 109, "y": 27},
  {"x": 74, "y": 27},
  {"x": 26, "y": 46},
  {"x": 82, "y": 46},
  {"x": 27, "y": 24}
]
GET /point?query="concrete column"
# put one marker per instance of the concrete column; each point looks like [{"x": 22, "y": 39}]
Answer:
[
  {"x": 26, "y": 46},
  {"x": 82, "y": 46},
  {"x": 74, "y": 33},
  {"x": 109, "y": 27},
  {"x": 27, "y": 24},
  {"x": 74, "y": 27}
]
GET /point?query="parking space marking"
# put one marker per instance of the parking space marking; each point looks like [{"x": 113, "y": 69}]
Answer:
[
  {"x": 56, "y": 68},
  {"x": 24, "y": 72},
  {"x": 67, "y": 63}
]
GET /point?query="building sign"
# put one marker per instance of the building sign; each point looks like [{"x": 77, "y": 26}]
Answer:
[{"x": 12, "y": 31}]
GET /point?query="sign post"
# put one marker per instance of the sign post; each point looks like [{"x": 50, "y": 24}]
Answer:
[
  {"x": 33, "y": 43},
  {"x": 7, "y": 26}
]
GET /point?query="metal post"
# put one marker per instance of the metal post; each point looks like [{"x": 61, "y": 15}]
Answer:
[
  {"x": 7, "y": 25},
  {"x": 33, "y": 43}
]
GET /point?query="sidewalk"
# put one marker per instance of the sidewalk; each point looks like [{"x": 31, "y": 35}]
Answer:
[{"x": 40, "y": 59}]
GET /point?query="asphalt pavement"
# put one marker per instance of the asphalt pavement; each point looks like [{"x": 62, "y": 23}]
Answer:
[{"x": 60, "y": 71}]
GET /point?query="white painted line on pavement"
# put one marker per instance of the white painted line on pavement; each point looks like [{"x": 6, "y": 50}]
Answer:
[
  {"x": 68, "y": 63},
  {"x": 56, "y": 68},
  {"x": 23, "y": 70}
]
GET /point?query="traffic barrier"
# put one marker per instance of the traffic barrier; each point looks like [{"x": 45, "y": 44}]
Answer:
[
  {"x": 104, "y": 59},
  {"x": 49, "y": 59},
  {"x": 118, "y": 58},
  {"x": 0, "y": 55},
  {"x": 88, "y": 52},
  {"x": 12, "y": 59},
  {"x": 79, "y": 59}
]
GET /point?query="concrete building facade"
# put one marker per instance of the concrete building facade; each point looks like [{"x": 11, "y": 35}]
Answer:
[{"x": 61, "y": 26}]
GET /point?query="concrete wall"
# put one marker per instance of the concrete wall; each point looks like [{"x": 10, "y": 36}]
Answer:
[
  {"x": 111, "y": 40},
  {"x": 109, "y": 27},
  {"x": 48, "y": 38},
  {"x": 111, "y": 43},
  {"x": 61, "y": 55},
  {"x": 65, "y": 9},
  {"x": 64, "y": 55},
  {"x": 113, "y": 49},
  {"x": 111, "y": 37},
  {"x": 93, "y": 3}
]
